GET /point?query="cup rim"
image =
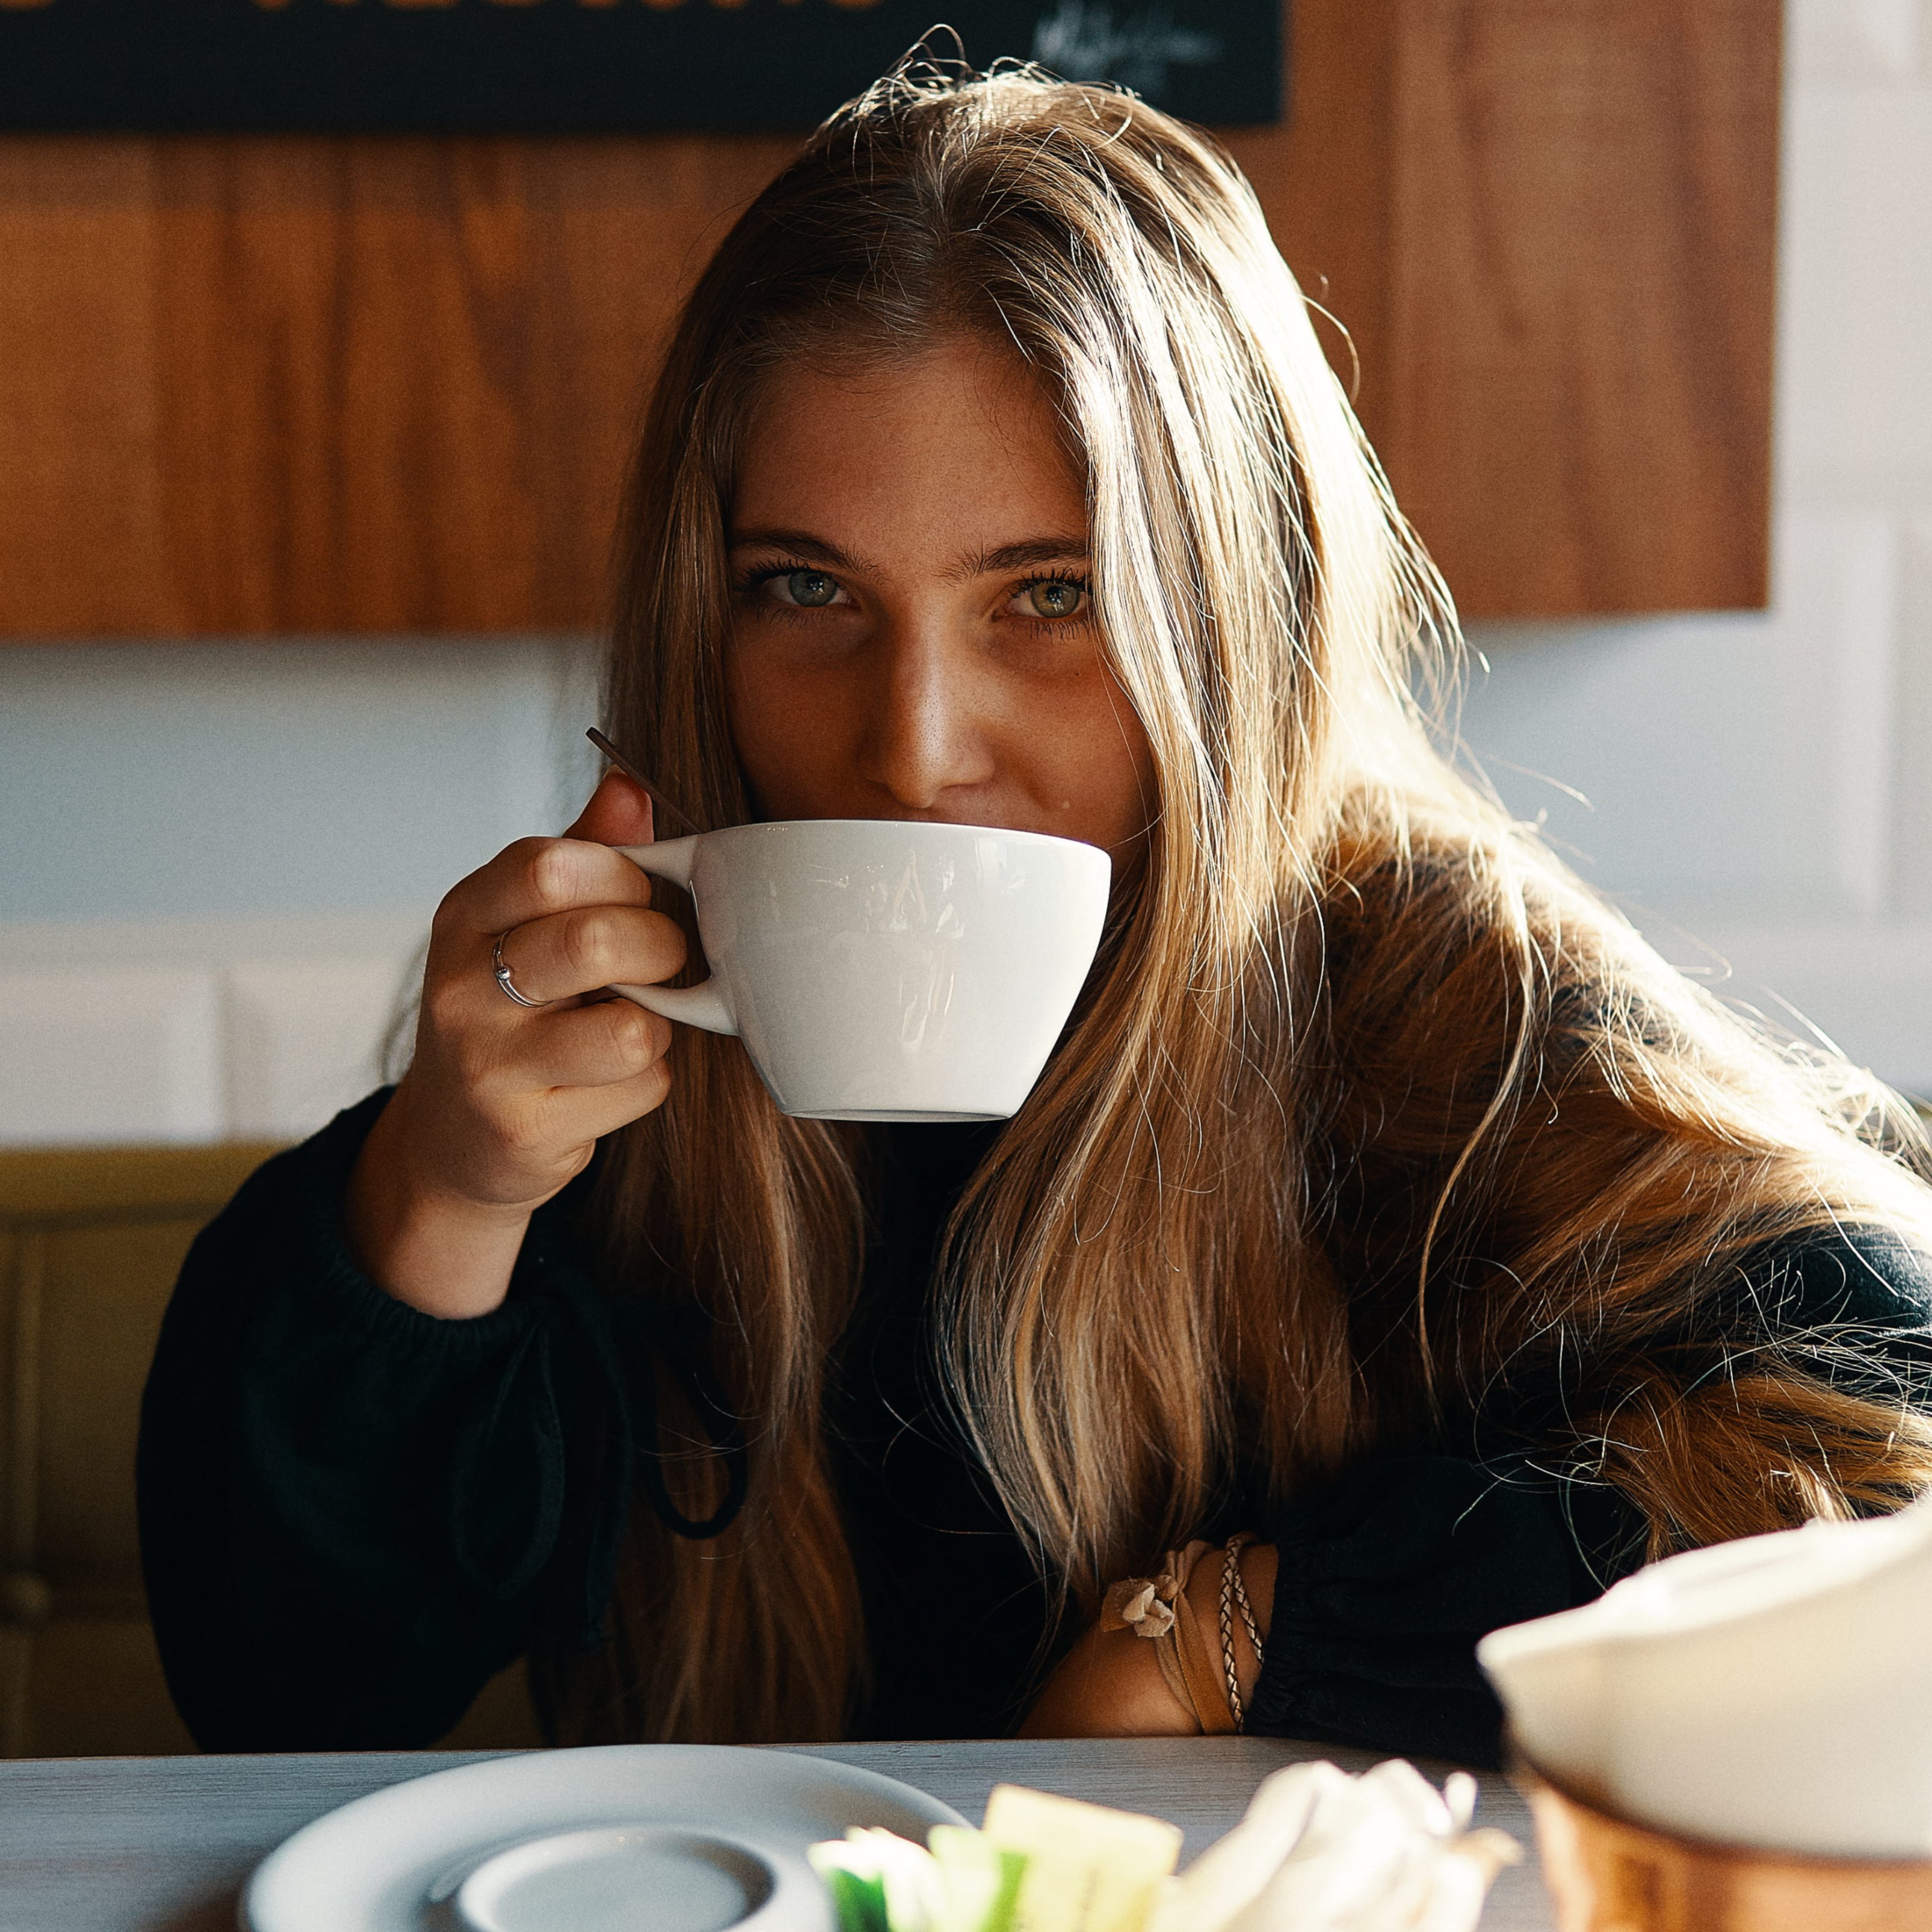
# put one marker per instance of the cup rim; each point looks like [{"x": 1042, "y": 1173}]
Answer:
[{"x": 906, "y": 824}]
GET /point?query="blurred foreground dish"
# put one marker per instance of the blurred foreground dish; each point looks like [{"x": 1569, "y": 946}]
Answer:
[
  {"x": 1318, "y": 1851},
  {"x": 1608, "y": 1874},
  {"x": 1772, "y": 1692}
]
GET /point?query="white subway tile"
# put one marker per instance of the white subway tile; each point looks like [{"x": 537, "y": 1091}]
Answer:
[
  {"x": 1859, "y": 621},
  {"x": 1855, "y": 348},
  {"x": 1724, "y": 760},
  {"x": 577, "y": 666},
  {"x": 159, "y": 1030},
  {"x": 61, "y": 945},
  {"x": 304, "y": 1039},
  {"x": 1865, "y": 986},
  {"x": 1837, "y": 42},
  {"x": 1911, "y": 833},
  {"x": 110, "y": 1054}
]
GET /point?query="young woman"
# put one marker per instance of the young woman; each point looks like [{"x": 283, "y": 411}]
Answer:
[{"x": 1386, "y": 1200}]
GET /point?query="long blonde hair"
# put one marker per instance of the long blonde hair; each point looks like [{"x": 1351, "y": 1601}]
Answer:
[{"x": 1371, "y": 1111}]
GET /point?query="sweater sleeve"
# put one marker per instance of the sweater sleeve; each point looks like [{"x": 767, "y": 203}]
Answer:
[
  {"x": 1385, "y": 1585},
  {"x": 347, "y": 1507}
]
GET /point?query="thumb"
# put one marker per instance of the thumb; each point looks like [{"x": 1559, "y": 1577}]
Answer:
[{"x": 618, "y": 814}]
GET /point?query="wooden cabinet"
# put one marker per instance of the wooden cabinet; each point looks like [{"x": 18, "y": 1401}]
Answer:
[{"x": 262, "y": 384}]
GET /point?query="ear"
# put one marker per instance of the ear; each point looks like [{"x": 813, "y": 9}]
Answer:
[{"x": 618, "y": 814}]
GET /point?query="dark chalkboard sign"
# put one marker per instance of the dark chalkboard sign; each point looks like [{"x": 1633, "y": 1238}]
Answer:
[{"x": 561, "y": 66}]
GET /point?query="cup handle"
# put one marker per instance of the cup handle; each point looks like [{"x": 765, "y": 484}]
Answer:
[{"x": 702, "y": 1005}]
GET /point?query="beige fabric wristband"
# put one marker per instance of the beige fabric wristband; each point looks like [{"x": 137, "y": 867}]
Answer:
[{"x": 1157, "y": 1607}]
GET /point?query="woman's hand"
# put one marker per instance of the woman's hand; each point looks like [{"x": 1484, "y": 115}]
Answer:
[
  {"x": 1110, "y": 1685},
  {"x": 503, "y": 1105}
]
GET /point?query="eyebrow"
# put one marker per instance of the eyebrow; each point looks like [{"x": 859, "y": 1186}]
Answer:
[
  {"x": 1022, "y": 556},
  {"x": 801, "y": 543}
]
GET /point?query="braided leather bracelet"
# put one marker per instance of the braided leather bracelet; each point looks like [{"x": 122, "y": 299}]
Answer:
[
  {"x": 1158, "y": 1607},
  {"x": 1234, "y": 1592}
]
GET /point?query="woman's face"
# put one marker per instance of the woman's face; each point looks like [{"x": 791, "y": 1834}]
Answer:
[{"x": 913, "y": 633}]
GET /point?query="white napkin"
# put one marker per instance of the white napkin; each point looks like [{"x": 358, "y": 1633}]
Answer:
[
  {"x": 1775, "y": 1692},
  {"x": 1319, "y": 1851}
]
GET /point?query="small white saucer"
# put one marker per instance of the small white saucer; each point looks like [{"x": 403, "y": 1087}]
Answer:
[
  {"x": 595, "y": 1881},
  {"x": 679, "y": 1837}
]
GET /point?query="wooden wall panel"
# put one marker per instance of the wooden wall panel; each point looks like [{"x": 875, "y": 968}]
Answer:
[
  {"x": 1582, "y": 251},
  {"x": 1327, "y": 180},
  {"x": 302, "y": 385},
  {"x": 271, "y": 384},
  {"x": 80, "y": 546}
]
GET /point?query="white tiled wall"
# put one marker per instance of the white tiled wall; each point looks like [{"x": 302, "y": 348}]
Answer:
[
  {"x": 195, "y": 1029},
  {"x": 304, "y": 1036},
  {"x": 298, "y": 808},
  {"x": 1757, "y": 787},
  {"x": 1854, "y": 42},
  {"x": 88, "y": 1051}
]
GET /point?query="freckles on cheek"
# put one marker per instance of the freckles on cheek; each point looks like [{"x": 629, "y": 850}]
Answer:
[
  {"x": 778, "y": 733},
  {"x": 1103, "y": 765},
  {"x": 748, "y": 712}
]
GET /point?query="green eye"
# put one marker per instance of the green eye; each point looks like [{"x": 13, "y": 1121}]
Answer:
[
  {"x": 1056, "y": 598},
  {"x": 811, "y": 588}
]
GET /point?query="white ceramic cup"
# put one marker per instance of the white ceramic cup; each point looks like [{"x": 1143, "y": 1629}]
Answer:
[
  {"x": 1770, "y": 1692},
  {"x": 881, "y": 969}
]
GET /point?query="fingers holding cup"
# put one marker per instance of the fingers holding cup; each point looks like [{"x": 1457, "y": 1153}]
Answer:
[
  {"x": 537, "y": 878},
  {"x": 602, "y": 1043},
  {"x": 566, "y": 955}
]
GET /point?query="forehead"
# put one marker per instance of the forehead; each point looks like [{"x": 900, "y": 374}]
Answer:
[{"x": 965, "y": 429}]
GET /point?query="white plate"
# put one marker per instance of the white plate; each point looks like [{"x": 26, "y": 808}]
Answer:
[{"x": 710, "y": 1835}]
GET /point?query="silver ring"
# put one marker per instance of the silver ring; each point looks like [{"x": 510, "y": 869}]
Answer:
[{"x": 503, "y": 978}]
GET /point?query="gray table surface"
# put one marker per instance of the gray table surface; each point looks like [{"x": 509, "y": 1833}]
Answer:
[{"x": 164, "y": 1844}]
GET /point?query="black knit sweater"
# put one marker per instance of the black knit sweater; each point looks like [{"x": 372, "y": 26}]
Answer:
[{"x": 350, "y": 1511}]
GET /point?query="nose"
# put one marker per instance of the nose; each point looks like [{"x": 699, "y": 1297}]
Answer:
[{"x": 925, "y": 736}]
